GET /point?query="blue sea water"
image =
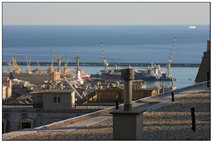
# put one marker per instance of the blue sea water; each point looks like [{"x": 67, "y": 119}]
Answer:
[
  {"x": 141, "y": 44},
  {"x": 126, "y": 44}
]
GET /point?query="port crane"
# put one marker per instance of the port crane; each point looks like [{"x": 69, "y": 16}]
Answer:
[
  {"x": 171, "y": 57},
  {"x": 15, "y": 65},
  {"x": 57, "y": 57},
  {"x": 51, "y": 67},
  {"x": 106, "y": 64},
  {"x": 28, "y": 62},
  {"x": 65, "y": 66},
  {"x": 38, "y": 67}
]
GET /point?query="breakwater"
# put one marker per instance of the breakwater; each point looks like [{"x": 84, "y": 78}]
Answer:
[{"x": 111, "y": 64}]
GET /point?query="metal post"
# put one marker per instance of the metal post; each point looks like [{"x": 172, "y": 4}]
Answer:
[
  {"x": 193, "y": 119},
  {"x": 172, "y": 96},
  {"x": 117, "y": 101},
  {"x": 208, "y": 79},
  {"x": 77, "y": 58},
  {"x": 162, "y": 88},
  {"x": 127, "y": 75}
]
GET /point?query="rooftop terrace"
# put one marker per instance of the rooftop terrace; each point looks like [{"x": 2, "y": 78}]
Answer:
[{"x": 163, "y": 120}]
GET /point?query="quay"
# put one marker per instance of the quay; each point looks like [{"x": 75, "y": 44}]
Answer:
[
  {"x": 163, "y": 120},
  {"x": 111, "y": 64}
]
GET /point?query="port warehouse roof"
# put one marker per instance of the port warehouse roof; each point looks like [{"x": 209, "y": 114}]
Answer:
[{"x": 163, "y": 120}]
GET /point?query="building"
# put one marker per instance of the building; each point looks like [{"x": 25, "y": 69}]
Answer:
[
  {"x": 48, "y": 106},
  {"x": 204, "y": 69},
  {"x": 54, "y": 99},
  {"x": 6, "y": 88}
]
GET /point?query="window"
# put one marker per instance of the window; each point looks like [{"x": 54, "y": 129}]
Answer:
[
  {"x": 25, "y": 125},
  {"x": 56, "y": 99}
]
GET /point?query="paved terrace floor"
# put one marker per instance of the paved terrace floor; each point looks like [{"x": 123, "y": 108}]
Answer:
[{"x": 163, "y": 120}]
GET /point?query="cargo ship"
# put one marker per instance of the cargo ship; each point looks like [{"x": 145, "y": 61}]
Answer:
[{"x": 152, "y": 73}]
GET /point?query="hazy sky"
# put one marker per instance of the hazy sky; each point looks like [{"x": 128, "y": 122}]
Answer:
[{"x": 105, "y": 13}]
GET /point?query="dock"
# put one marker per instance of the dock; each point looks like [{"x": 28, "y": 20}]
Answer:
[{"x": 111, "y": 64}]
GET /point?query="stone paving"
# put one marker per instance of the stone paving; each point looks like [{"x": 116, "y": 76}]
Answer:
[{"x": 162, "y": 121}]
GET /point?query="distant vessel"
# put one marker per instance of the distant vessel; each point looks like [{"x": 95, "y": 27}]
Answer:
[
  {"x": 153, "y": 72},
  {"x": 192, "y": 27}
]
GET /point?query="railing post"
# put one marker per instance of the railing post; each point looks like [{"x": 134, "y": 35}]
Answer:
[
  {"x": 117, "y": 101},
  {"x": 208, "y": 79},
  {"x": 193, "y": 119},
  {"x": 172, "y": 96}
]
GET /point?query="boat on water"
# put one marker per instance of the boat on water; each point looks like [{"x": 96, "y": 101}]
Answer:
[{"x": 152, "y": 73}]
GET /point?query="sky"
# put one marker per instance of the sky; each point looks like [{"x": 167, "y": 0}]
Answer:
[{"x": 106, "y": 13}]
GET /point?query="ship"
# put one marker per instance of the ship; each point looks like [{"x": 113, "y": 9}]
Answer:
[{"x": 152, "y": 73}]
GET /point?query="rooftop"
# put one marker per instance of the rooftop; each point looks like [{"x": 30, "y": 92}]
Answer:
[
  {"x": 54, "y": 91},
  {"x": 163, "y": 120}
]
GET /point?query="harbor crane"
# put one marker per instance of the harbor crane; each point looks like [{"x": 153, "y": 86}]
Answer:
[
  {"x": 106, "y": 64},
  {"x": 171, "y": 57},
  {"x": 28, "y": 62},
  {"x": 51, "y": 68},
  {"x": 57, "y": 57},
  {"x": 15, "y": 65},
  {"x": 65, "y": 66},
  {"x": 38, "y": 67}
]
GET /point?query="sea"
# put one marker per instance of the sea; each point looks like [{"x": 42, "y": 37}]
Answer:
[{"x": 120, "y": 44}]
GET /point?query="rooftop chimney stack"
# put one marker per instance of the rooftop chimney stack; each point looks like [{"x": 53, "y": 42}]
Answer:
[{"x": 127, "y": 75}]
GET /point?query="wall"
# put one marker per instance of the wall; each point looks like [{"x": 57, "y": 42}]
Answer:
[
  {"x": 7, "y": 89},
  {"x": 14, "y": 115},
  {"x": 110, "y": 94},
  {"x": 49, "y": 104},
  {"x": 4, "y": 92}
]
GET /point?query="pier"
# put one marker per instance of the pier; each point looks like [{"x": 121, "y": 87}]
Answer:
[{"x": 111, "y": 64}]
